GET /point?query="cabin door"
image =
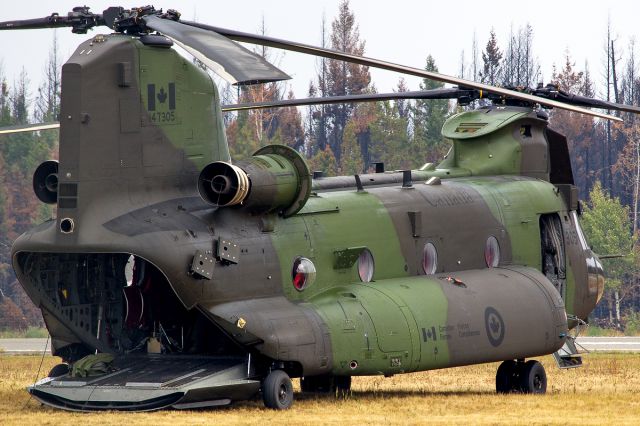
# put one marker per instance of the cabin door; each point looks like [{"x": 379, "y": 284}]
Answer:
[{"x": 553, "y": 252}]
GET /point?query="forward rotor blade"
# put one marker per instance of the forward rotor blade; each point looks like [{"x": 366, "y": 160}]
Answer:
[
  {"x": 53, "y": 21},
  {"x": 226, "y": 58},
  {"x": 28, "y": 128},
  {"x": 376, "y": 63},
  {"x": 446, "y": 93},
  {"x": 613, "y": 256},
  {"x": 80, "y": 19}
]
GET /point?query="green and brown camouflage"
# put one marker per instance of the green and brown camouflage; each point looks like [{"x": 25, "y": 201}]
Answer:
[{"x": 141, "y": 131}]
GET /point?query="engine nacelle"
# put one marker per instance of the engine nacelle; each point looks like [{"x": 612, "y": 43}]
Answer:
[
  {"x": 45, "y": 182},
  {"x": 275, "y": 179}
]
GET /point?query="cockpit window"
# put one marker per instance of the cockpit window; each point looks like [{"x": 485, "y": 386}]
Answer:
[{"x": 581, "y": 237}]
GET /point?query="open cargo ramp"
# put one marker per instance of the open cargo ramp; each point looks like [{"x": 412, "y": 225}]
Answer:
[{"x": 146, "y": 383}]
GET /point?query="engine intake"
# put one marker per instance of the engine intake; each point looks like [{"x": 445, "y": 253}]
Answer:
[{"x": 275, "y": 178}]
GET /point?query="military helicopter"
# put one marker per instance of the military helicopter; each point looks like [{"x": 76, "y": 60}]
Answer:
[{"x": 172, "y": 277}]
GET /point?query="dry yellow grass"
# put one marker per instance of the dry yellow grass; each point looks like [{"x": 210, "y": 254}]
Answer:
[{"x": 604, "y": 391}]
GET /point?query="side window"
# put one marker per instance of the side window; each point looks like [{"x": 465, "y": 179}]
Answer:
[
  {"x": 366, "y": 266},
  {"x": 303, "y": 273},
  {"x": 492, "y": 252},
  {"x": 429, "y": 259}
]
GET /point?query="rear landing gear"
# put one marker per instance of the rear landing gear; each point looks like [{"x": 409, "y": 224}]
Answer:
[
  {"x": 327, "y": 384},
  {"x": 59, "y": 370},
  {"x": 277, "y": 390},
  {"x": 520, "y": 376}
]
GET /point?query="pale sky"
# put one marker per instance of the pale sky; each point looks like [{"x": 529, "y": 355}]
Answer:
[{"x": 401, "y": 31}]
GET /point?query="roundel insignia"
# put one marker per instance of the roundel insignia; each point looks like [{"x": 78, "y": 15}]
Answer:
[{"x": 494, "y": 325}]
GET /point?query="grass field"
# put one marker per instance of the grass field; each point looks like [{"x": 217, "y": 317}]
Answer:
[
  {"x": 29, "y": 333},
  {"x": 604, "y": 391}
]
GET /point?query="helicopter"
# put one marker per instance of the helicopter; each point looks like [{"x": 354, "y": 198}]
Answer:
[{"x": 174, "y": 277}]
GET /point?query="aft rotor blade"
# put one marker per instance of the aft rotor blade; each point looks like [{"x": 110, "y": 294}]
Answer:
[
  {"x": 446, "y": 93},
  {"x": 28, "y": 128},
  {"x": 228, "y": 59},
  {"x": 377, "y": 63},
  {"x": 597, "y": 103}
]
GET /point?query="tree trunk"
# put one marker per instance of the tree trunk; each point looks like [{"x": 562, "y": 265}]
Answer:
[
  {"x": 607, "y": 140},
  {"x": 616, "y": 96},
  {"x": 636, "y": 188},
  {"x": 614, "y": 76},
  {"x": 610, "y": 303}
]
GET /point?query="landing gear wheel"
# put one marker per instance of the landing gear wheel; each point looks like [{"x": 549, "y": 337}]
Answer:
[
  {"x": 506, "y": 377},
  {"x": 327, "y": 384},
  {"x": 277, "y": 390},
  {"x": 342, "y": 385},
  {"x": 59, "y": 370},
  {"x": 316, "y": 384},
  {"x": 533, "y": 378}
]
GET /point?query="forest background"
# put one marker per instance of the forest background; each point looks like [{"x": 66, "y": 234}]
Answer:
[{"x": 349, "y": 138}]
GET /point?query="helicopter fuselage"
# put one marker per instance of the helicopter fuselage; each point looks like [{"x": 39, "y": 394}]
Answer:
[{"x": 476, "y": 260}]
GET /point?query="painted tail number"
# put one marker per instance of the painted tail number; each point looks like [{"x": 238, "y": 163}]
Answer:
[{"x": 161, "y": 103}]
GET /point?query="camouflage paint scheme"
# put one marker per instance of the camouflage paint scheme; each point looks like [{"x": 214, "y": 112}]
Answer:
[{"x": 138, "y": 124}]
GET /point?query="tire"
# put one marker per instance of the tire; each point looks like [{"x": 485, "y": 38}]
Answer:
[
  {"x": 277, "y": 390},
  {"x": 326, "y": 384},
  {"x": 534, "y": 378},
  {"x": 59, "y": 370},
  {"x": 317, "y": 384},
  {"x": 342, "y": 385},
  {"x": 507, "y": 372}
]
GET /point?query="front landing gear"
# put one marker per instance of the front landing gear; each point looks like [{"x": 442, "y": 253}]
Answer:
[
  {"x": 520, "y": 376},
  {"x": 277, "y": 390},
  {"x": 534, "y": 379}
]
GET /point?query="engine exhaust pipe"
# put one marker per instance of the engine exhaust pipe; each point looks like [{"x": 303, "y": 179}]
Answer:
[
  {"x": 275, "y": 179},
  {"x": 223, "y": 184},
  {"x": 45, "y": 182}
]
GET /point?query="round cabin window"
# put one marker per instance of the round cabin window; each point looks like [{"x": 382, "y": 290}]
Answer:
[
  {"x": 429, "y": 259},
  {"x": 492, "y": 252},
  {"x": 366, "y": 266},
  {"x": 303, "y": 273}
]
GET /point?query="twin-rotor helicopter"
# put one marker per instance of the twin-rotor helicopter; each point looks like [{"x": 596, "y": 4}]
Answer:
[{"x": 173, "y": 276}]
